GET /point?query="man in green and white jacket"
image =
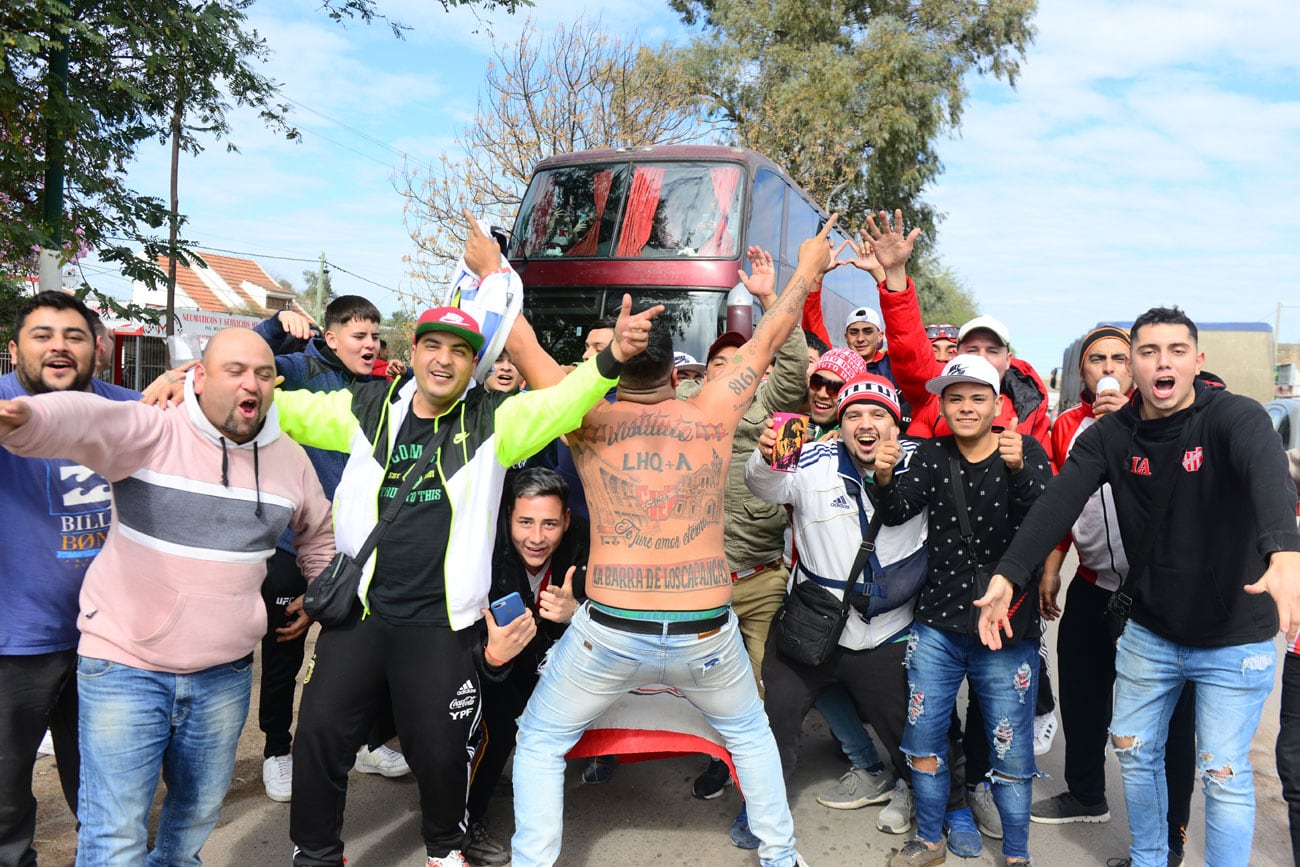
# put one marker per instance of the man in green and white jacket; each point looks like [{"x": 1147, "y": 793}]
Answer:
[{"x": 425, "y": 589}]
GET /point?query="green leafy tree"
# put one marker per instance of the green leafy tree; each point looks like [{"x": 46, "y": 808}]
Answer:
[
  {"x": 943, "y": 296},
  {"x": 398, "y": 329},
  {"x": 118, "y": 94},
  {"x": 849, "y": 96},
  {"x": 203, "y": 56},
  {"x": 309, "y": 300}
]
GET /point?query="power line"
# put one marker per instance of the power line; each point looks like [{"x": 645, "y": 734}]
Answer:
[
  {"x": 314, "y": 261},
  {"x": 357, "y": 132}
]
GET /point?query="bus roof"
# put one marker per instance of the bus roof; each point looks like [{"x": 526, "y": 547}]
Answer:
[{"x": 656, "y": 153}]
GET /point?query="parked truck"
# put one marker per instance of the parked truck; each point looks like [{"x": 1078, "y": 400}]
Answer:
[{"x": 1239, "y": 353}]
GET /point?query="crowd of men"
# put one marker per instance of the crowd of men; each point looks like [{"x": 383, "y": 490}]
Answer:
[{"x": 634, "y": 505}]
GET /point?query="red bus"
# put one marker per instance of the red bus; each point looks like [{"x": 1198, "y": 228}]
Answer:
[{"x": 670, "y": 225}]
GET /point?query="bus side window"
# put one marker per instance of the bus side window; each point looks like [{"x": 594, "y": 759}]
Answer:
[
  {"x": 765, "y": 213},
  {"x": 801, "y": 223}
]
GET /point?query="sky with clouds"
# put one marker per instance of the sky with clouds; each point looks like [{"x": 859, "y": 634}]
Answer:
[{"x": 1147, "y": 155}]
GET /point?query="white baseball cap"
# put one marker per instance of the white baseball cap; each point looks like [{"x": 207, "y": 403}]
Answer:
[
  {"x": 966, "y": 368},
  {"x": 864, "y": 314},
  {"x": 683, "y": 361},
  {"x": 987, "y": 323}
]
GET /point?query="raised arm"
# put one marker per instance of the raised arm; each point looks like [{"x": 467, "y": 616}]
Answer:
[
  {"x": 788, "y": 385},
  {"x": 113, "y": 438},
  {"x": 729, "y": 395}
]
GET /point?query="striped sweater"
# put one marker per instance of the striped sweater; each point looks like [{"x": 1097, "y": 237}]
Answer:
[{"x": 177, "y": 585}]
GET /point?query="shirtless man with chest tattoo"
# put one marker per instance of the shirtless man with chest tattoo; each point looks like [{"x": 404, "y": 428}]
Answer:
[{"x": 659, "y": 586}]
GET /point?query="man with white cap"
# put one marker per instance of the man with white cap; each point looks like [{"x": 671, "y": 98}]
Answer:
[
  {"x": 977, "y": 484},
  {"x": 832, "y": 478},
  {"x": 688, "y": 369}
]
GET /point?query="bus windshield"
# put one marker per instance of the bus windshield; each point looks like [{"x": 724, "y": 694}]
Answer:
[
  {"x": 561, "y": 318},
  {"x": 644, "y": 210}
]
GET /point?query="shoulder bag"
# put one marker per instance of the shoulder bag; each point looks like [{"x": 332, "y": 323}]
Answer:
[
  {"x": 329, "y": 599},
  {"x": 808, "y": 626}
]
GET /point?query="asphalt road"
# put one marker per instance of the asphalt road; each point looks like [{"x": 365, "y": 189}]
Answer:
[{"x": 646, "y": 815}]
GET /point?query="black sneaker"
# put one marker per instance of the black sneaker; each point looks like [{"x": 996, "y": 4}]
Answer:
[
  {"x": 481, "y": 849},
  {"x": 710, "y": 784},
  {"x": 1065, "y": 808}
]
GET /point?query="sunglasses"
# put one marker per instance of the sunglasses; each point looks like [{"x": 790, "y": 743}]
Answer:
[
  {"x": 947, "y": 332},
  {"x": 830, "y": 386}
]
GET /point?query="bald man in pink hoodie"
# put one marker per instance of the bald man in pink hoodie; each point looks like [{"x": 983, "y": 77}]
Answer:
[{"x": 171, "y": 609}]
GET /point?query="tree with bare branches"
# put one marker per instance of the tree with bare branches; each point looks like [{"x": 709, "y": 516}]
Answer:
[{"x": 575, "y": 89}]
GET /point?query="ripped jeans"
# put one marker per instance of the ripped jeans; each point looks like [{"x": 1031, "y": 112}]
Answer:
[
  {"x": 1006, "y": 683},
  {"x": 1231, "y": 686}
]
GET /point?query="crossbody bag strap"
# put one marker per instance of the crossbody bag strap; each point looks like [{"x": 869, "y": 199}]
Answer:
[
  {"x": 963, "y": 522},
  {"x": 959, "y": 498},
  {"x": 412, "y": 478},
  {"x": 1122, "y": 601},
  {"x": 870, "y": 529}
]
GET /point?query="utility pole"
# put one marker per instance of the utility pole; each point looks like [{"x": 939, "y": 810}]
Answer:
[{"x": 320, "y": 288}]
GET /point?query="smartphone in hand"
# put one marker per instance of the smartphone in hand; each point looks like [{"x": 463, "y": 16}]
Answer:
[{"x": 507, "y": 609}]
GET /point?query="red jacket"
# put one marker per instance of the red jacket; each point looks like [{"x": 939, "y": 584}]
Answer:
[{"x": 914, "y": 364}]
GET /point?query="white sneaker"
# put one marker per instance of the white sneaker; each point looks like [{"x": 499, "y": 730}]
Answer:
[
  {"x": 47, "y": 745},
  {"x": 896, "y": 817},
  {"x": 385, "y": 761},
  {"x": 277, "y": 777},
  {"x": 452, "y": 859},
  {"x": 1044, "y": 733}
]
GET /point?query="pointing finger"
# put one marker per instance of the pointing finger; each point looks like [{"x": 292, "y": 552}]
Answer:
[
  {"x": 830, "y": 224},
  {"x": 473, "y": 222}
]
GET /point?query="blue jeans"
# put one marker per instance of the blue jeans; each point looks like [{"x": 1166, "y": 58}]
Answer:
[
  {"x": 1004, "y": 682},
  {"x": 135, "y": 723},
  {"x": 1231, "y": 686},
  {"x": 590, "y": 667},
  {"x": 841, "y": 715}
]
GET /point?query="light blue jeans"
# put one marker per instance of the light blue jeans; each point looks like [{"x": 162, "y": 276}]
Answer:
[
  {"x": 135, "y": 723},
  {"x": 1005, "y": 681},
  {"x": 590, "y": 667},
  {"x": 1232, "y": 684},
  {"x": 841, "y": 715}
]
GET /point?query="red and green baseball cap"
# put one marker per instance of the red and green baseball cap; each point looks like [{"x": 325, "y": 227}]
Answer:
[{"x": 454, "y": 321}]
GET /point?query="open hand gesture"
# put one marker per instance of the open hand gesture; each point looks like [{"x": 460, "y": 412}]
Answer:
[
  {"x": 993, "y": 618},
  {"x": 891, "y": 247},
  {"x": 632, "y": 333},
  {"x": 864, "y": 257},
  {"x": 762, "y": 282}
]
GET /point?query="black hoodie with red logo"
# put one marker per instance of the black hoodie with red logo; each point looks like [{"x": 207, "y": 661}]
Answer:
[{"x": 1231, "y": 506}]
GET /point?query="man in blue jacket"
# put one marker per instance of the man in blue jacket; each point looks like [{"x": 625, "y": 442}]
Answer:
[{"x": 54, "y": 516}]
